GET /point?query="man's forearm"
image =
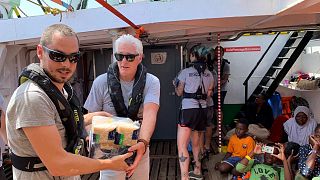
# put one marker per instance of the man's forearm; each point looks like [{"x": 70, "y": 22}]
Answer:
[
  {"x": 3, "y": 133},
  {"x": 149, "y": 121},
  {"x": 71, "y": 165}
]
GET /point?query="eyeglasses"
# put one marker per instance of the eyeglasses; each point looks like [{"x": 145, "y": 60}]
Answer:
[
  {"x": 129, "y": 57},
  {"x": 61, "y": 57}
]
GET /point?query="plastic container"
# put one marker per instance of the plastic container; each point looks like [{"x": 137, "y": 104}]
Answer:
[{"x": 111, "y": 136}]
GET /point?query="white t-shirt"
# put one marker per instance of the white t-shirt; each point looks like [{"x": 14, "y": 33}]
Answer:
[
  {"x": 226, "y": 70},
  {"x": 99, "y": 97},
  {"x": 2, "y": 103},
  {"x": 191, "y": 79}
]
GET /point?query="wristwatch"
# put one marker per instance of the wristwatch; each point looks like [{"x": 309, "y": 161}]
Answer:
[{"x": 146, "y": 144}]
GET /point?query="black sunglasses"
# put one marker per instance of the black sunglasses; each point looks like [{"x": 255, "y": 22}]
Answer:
[
  {"x": 129, "y": 57},
  {"x": 61, "y": 57}
]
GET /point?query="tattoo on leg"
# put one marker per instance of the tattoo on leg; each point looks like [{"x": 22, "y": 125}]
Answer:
[
  {"x": 185, "y": 174},
  {"x": 182, "y": 158}
]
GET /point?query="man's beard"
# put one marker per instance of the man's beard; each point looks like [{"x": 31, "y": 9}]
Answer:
[{"x": 57, "y": 80}]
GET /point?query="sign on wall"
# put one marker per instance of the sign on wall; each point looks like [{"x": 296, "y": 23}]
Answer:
[
  {"x": 158, "y": 58},
  {"x": 242, "y": 49}
]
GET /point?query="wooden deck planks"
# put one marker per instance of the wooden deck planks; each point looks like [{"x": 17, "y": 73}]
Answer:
[{"x": 164, "y": 163}]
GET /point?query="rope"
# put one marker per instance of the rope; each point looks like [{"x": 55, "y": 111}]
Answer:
[
  {"x": 48, "y": 9},
  {"x": 22, "y": 11},
  {"x": 139, "y": 30},
  {"x": 219, "y": 95},
  {"x": 66, "y": 5},
  {"x": 16, "y": 11},
  {"x": 39, "y": 1}
]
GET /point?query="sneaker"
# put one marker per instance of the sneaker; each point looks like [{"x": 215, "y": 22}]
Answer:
[{"x": 192, "y": 175}]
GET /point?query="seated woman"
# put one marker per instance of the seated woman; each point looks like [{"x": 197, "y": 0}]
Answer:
[
  {"x": 301, "y": 126},
  {"x": 260, "y": 117},
  {"x": 309, "y": 160},
  {"x": 260, "y": 112}
]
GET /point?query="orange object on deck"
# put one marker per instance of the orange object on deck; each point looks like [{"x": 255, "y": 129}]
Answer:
[{"x": 286, "y": 106}]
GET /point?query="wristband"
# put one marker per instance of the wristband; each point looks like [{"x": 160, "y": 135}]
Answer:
[
  {"x": 146, "y": 144},
  {"x": 248, "y": 157}
]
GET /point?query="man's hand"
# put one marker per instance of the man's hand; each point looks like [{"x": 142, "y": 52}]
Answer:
[
  {"x": 118, "y": 162},
  {"x": 88, "y": 117},
  {"x": 140, "y": 149}
]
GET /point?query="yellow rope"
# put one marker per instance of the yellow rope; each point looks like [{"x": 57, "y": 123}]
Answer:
[{"x": 48, "y": 9}]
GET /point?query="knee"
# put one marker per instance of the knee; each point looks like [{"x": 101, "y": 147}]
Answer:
[
  {"x": 224, "y": 169},
  {"x": 195, "y": 144}
]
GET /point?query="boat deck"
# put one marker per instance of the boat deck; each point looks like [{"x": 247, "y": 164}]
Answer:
[{"x": 164, "y": 164}]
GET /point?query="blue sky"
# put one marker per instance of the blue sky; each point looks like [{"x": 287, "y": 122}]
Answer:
[{"x": 33, "y": 10}]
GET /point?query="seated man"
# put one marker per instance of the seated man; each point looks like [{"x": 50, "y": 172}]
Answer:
[
  {"x": 239, "y": 146},
  {"x": 267, "y": 169}
]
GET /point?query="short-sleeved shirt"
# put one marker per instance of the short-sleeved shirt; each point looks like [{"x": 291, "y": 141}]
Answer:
[
  {"x": 304, "y": 153},
  {"x": 226, "y": 70},
  {"x": 30, "y": 106},
  {"x": 2, "y": 103},
  {"x": 192, "y": 80},
  {"x": 260, "y": 171},
  {"x": 240, "y": 147},
  {"x": 99, "y": 97},
  {"x": 210, "y": 101}
]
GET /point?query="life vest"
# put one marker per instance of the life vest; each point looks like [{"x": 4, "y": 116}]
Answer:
[
  {"x": 69, "y": 110},
  {"x": 116, "y": 93}
]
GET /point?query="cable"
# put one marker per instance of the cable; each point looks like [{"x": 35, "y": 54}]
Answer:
[
  {"x": 219, "y": 94},
  {"x": 22, "y": 11}
]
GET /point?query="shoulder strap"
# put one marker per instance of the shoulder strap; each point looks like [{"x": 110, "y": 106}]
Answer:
[
  {"x": 116, "y": 95},
  {"x": 66, "y": 111}
]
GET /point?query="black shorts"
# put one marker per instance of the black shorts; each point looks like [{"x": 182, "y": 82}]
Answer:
[
  {"x": 194, "y": 119},
  {"x": 215, "y": 99}
]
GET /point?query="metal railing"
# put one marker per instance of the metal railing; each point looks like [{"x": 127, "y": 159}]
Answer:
[{"x": 245, "y": 83}]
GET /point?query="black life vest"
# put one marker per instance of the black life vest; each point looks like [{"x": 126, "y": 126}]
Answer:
[
  {"x": 116, "y": 93},
  {"x": 69, "y": 110}
]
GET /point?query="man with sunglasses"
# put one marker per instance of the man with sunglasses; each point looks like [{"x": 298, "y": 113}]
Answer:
[
  {"x": 127, "y": 90},
  {"x": 44, "y": 120}
]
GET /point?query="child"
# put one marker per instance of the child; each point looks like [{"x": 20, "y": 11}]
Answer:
[{"x": 240, "y": 145}]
